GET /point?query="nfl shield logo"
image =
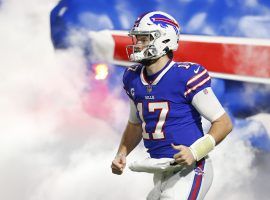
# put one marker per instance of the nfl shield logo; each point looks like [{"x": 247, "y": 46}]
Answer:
[{"x": 149, "y": 88}]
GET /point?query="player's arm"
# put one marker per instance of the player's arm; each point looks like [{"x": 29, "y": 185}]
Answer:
[
  {"x": 220, "y": 128},
  {"x": 208, "y": 106},
  {"x": 130, "y": 139}
]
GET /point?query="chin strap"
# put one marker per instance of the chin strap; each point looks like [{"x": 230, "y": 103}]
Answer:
[{"x": 201, "y": 147}]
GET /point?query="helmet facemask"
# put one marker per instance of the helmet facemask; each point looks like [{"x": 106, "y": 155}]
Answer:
[{"x": 143, "y": 50}]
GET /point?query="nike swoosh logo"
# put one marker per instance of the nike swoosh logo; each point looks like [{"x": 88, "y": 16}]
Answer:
[{"x": 196, "y": 70}]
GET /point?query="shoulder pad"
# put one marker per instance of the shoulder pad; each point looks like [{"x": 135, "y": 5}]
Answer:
[
  {"x": 130, "y": 72},
  {"x": 134, "y": 68},
  {"x": 186, "y": 65},
  {"x": 191, "y": 68}
]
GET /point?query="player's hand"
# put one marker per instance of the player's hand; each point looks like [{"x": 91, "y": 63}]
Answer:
[
  {"x": 118, "y": 164},
  {"x": 185, "y": 156}
]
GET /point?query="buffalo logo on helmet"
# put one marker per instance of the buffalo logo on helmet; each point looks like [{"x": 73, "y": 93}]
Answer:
[{"x": 164, "y": 22}]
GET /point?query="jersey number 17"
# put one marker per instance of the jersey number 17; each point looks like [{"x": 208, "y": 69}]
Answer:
[{"x": 163, "y": 109}]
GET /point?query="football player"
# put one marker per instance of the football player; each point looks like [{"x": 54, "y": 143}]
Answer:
[{"x": 167, "y": 100}]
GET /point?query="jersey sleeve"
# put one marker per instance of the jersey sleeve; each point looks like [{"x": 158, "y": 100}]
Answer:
[
  {"x": 126, "y": 83},
  {"x": 133, "y": 118},
  {"x": 197, "y": 79},
  {"x": 201, "y": 102},
  {"x": 128, "y": 76}
]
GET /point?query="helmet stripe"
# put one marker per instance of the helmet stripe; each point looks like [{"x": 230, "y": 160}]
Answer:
[
  {"x": 167, "y": 21},
  {"x": 137, "y": 22}
]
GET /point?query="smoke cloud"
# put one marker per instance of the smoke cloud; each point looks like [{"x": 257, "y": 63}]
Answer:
[{"x": 51, "y": 148}]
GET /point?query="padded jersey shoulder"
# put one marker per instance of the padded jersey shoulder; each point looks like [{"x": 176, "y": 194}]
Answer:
[
  {"x": 188, "y": 70},
  {"x": 193, "y": 76},
  {"x": 131, "y": 72}
]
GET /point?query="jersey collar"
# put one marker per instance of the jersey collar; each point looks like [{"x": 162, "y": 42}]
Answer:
[{"x": 145, "y": 82}]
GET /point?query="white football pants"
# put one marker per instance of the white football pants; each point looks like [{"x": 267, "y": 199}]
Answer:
[{"x": 190, "y": 183}]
